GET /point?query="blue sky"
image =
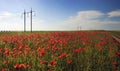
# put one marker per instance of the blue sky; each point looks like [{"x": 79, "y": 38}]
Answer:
[{"x": 61, "y": 14}]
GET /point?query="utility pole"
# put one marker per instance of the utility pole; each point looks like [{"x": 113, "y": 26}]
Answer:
[
  {"x": 79, "y": 27},
  {"x": 24, "y": 20},
  {"x": 31, "y": 11}
]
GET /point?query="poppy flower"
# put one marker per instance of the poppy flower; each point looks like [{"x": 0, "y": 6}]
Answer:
[
  {"x": 115, "y": 63},
  {"x": 6, "y": 51},
  {"x": 42, "y": 52},
  {"x": 22, "y": 65},
  {"x": 52, "y": 63},
  {"x": 100, "y": 62},
  {"x": 116, "y": 70},
  {"x": 42, "y": 62},
  {"x": 112, "y": 57},
  {"x": 118, "y": 54},
  {"x": 49, "y": 70},
  {"x": 3, "y": 69},
  {"x": 77, "y": 50},
  {"x": 62, "y": 55},
  {"x": 111, "y": 49},
  {"x": 27, "y": 66},
  {"x": 69, "y": 61},
  {"x": 16, "y": 66},
  {"x": 6, "y": 62},
  {"x": 84, "y": 49},
  {"x": 100, "y": 49},
  {"x": 38, "y": 50}
]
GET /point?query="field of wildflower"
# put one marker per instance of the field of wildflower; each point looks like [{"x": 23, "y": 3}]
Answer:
[{"x": 59, "y": 51}]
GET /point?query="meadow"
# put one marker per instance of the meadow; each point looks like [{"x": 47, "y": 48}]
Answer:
[{"x": 59, "y": 51}]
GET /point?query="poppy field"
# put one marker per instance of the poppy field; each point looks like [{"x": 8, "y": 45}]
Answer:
[{"x": 59, "y": 51}]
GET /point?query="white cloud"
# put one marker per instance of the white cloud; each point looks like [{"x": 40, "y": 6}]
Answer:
[
  {"x": 114, "y": 13},
  {"x": 91, "y": 14},
  {"x": 88, "y": 20},
  {"x": 11, "y": 26},
  {"x": 82, "y": 18},
  {"x": 5, "y": 15},
  {"x": 10, "y": 21}
]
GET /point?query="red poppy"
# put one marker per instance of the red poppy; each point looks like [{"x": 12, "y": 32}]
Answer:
[
  {"x": 52, "y": 63},
  {"x": 6, "y": 51},
  {"x": 69, "y": 61},
  {"x": 22, "y": 65},
  {"x": 11, "y": 53},
  {"x": 84, "y": 49},
  {"x": 6, "y": 62},
  {"x": 54, "y": 48},
  {"x": 3, "y": 69},
  {"x": 42, "y": 52},
  {"x": 118, "y": 53},
  {"x": 112, "y": 57},
  {"x": 115, "y": 63},
  {"x": 111, "y": 49},
  {"x": 42, "y": 62},
  {"x": 100, "y": 49},
  {"x": 116, "y": 70},
  {"x": 1, "y": 50},
  {"x": 20, "y": 48},
  {"x": 16, "y": 66},
  {"x": 38, "y": 50},
  {"x": 27, "y": 66},
  {"x": 62, "y": 55},
  {"x": 49, "y": 70},
  {"x": 77, "y": 50},
  {"x": 100, "y": 62}
]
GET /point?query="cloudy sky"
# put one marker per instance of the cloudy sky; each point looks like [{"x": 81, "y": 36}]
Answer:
[{"x": 61, "y": 14}]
